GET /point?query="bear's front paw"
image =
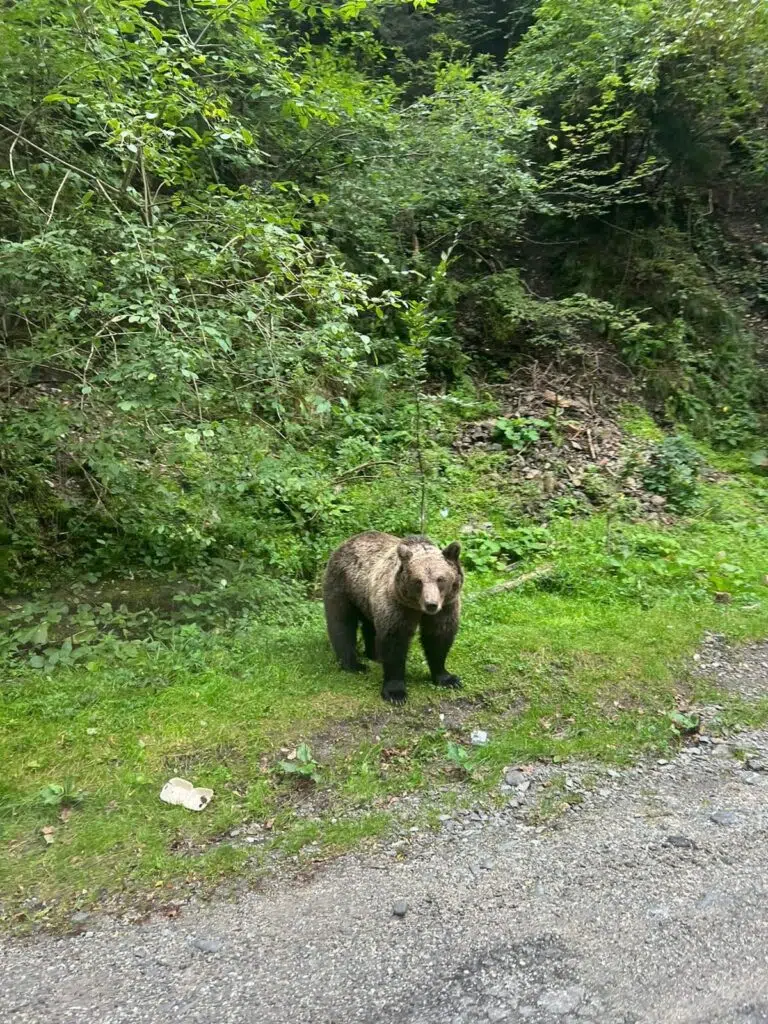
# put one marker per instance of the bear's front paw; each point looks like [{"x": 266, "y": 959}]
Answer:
[
  {"x": 448, "y": 680},
  {"x": 394, "y": 693}
]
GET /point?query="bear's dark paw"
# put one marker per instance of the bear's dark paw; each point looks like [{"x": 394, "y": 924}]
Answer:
[
  {"x": 448, "y": 680},
  {"x": 394, "y": 693},
  {"x": 356, "y": 666}
]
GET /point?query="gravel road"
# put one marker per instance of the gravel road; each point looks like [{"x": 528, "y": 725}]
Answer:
[{"x": 648, "y": 904}]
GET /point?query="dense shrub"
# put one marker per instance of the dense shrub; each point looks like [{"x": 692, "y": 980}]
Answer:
[{"x": 238, "y": 242}]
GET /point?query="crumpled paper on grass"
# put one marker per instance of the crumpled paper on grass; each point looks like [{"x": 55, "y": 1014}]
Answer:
[{"x": 184, "y": 794}]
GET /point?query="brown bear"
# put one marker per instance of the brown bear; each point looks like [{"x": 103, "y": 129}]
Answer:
[{"x": 391, "y": 587}]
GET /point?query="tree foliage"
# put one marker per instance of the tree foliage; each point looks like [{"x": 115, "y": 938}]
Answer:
[{"x": 215, "y": 216}]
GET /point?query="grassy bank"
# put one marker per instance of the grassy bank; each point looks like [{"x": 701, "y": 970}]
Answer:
[{"x": 587, "y": 661}]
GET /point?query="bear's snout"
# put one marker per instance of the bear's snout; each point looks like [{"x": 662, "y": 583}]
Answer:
[{"x": 431, "y": 599}]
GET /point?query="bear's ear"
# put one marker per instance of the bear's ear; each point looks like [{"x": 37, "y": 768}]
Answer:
[
  {"x": 405, "y": 553},
  {"x": 452, "y": 552}
]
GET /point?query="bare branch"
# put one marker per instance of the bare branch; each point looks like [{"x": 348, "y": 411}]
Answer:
[
  {"x": 56, "y": 197},
  {"x": 518, "y": 581},
  {"x": 12, "y": 169},
  {"x": 59, "y": 160},
  {"x": 145, "y": 184},
  {"x": 362, "y": 466}
]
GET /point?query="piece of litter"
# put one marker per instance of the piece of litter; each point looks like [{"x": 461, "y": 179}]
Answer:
[
  {"x": 183, "y": 793},
  {"x": 479, "y": 737}
]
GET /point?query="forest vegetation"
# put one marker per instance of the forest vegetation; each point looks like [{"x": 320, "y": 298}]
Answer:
[{"x": 273, "y": 272}]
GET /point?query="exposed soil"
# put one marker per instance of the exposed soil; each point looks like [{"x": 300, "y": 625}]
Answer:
[{"x": 587, "y": 457}]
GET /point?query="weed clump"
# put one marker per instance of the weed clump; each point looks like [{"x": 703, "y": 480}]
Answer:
[{"x": 672, "y": 471}]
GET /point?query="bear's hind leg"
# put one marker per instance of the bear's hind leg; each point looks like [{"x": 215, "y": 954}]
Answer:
[
  {"x": 437, "y": 636},
  {"x": 369, "y": 638},
  {"x": 341, "y": 618}
]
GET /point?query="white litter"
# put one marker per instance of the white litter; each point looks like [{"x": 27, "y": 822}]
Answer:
[
  {"x": 183, "y": 793},
  {"x": 479, "y": 737}
]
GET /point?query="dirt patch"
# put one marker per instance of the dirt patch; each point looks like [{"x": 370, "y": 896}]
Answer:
[
  {"x": 585, "y": 456},
  {"x": 339, "y": 738}
]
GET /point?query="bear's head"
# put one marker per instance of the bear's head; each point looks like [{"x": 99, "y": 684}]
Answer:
[{"x": 428, "y": 578}]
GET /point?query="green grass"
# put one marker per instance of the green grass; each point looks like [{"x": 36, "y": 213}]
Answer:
[
  {"x": 586, "y": 664},
  {"x": 636, "y": 422}
]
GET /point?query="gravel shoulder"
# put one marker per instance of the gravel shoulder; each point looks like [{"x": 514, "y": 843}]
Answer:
[{"x": 646, "y": 905}]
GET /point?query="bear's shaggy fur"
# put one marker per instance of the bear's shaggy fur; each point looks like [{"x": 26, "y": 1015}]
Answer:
[{"x": 392, "y": 587}]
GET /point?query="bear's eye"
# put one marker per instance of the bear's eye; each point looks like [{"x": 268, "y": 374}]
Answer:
[{"x": 440, "y": 579}]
